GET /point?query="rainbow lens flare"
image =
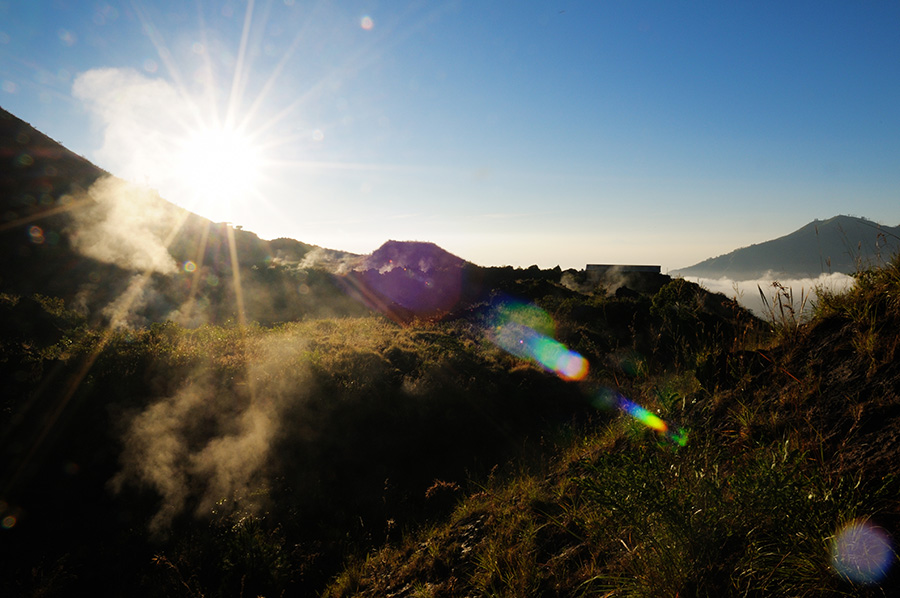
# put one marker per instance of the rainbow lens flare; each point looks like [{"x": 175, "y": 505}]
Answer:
[
  {"x": 862, "y": 552},
  {"x": 525, "y": 331},
  {"x": 608, "y": 398},
  {"x": 639, "y": 413}
]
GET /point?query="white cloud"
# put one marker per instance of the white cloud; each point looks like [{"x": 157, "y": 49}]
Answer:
[
  {"x": 141, "y": 120},
  {"x": 746, "y": 292}
]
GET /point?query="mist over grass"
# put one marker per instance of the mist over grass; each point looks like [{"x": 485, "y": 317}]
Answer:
[
  {"x": 747, "y": 292},
  {"x": 209, "y": 442}
]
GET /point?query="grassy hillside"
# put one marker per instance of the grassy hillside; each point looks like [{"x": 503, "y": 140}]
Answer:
[
  {"x": 786, "y": 486},
  {"x": 187, "y": 410},
  {"x": 230, "y": 460},
  {"x": 356, "y": 456}
]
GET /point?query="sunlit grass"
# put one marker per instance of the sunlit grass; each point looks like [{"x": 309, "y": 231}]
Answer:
[
  {"x": 368, "y": 420},
  {"x": 750, "y": 507}
]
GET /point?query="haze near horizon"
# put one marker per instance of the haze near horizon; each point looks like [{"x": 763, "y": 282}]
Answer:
[{"x": 557, "y": 133}]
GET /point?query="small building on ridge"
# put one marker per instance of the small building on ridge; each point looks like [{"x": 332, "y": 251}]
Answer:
[{"x": 603, "y": 269}]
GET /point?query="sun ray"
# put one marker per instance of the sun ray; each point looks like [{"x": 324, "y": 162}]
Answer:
[
  {"x": 238, "y": 81},
  {"x": 336, "y": 165},
  {"x": 77, "y": 203},
  {"x": 236, "y": 275},
  {"x": 303, "y": 98},
  {"x": 74, "y": 381},
  {"x": 276, "y": 73},
  {"x": 358, "y": 61},
  {"x": 198, "y": 267},
  {"x": 162, "y": 50},
  {"x": 241, "y": 312},
  {"x": 207, "y": 63}
]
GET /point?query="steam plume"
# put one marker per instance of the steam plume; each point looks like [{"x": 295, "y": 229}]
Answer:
[
  {"x": 210, "y": 447},
  {"x": 126, "y": 225}
]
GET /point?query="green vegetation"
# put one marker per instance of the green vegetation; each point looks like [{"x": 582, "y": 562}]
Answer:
[
  {"x": 791, "y": 439},
  {"x": 353, "y": 456}
]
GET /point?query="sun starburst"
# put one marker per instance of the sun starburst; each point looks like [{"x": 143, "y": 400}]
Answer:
[{"x": 217, "y": 168}]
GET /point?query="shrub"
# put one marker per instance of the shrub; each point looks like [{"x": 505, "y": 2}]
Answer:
[{"x": 700, "y": 522}]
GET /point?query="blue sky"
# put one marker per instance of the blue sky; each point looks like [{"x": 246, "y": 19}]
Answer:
[{"x": 549, "y": 133}]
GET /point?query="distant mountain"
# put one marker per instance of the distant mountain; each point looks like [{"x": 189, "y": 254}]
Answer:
[
  {"x": 840, "y": 244},
  {"x": 405, "y": 280},
  {"x": 418, "y": 255}
]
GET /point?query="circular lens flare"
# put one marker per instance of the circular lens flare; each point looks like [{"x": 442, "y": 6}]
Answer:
[{"x": 862, "y": 552}]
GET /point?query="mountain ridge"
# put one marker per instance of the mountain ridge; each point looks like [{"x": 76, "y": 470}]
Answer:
[
  {"x": 838, "y": 244},
  {"x": 70, "y": 230}
]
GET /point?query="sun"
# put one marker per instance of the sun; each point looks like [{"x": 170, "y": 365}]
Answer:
[{"x": 218, "y": 169}]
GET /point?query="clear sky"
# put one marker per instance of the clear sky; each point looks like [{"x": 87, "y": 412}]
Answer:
[{"x": 508, "y": 132}]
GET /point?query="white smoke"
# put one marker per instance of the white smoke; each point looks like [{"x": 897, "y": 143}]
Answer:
[
  {"x": 126, "y": 225},
  {"x": 569, "y": 281},
  {"x": 129, "y": 226},
  {"x": 335, "y": 262},
  {"x": 191, "y": 314},
  {"x": 120, "y": 312},
  {"x": 209, "y": 446}
]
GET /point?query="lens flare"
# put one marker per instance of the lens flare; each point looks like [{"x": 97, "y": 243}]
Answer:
[
  {"x": 609, "y": 399},
  {"x": 36, "y": 234},
  {"x": 862, "y": 552},
  {"x": 552, "y": 355},
  {"x": 639, "y": 413},
  {"x": 524, "y": 331}
]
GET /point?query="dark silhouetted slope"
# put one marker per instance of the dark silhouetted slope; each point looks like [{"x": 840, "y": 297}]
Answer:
[{"x": 57, "y": 211}]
